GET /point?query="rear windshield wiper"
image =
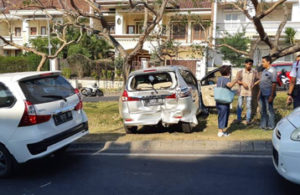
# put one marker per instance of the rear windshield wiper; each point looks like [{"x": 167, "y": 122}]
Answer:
[{"x": 55, "y": 96}]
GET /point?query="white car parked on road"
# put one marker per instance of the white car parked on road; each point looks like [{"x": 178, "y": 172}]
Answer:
[
  {"x": 286, "y": 147},
  {"x": 40, "y": 112}
]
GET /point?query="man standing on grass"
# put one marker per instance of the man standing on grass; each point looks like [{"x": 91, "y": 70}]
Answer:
[
  {"x": 294, "y": 89},
  {"x": 246, "y": 79},
  {"x": 267, "y": 94}
]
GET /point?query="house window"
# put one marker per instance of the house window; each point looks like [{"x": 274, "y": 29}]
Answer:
[
  {"x": 198, "y": 32},
  {"x": 18, "y": 52},
  {"x": 33, "y": 31},
  {"x": 111, "y": 28},
  {"x": 139, "y": 27},
  {"x": 232, "y": 17},
  {"x": 130, "y": 29},
  {"x": 179, "y": 31},
  {"x": 17, "y": 31},
  {"x": 43, "y": 30}
]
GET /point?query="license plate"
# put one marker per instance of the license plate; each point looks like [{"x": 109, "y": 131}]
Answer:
[
  {"x": 153, "y": 102},
  {"x": 62, "y": 118}
]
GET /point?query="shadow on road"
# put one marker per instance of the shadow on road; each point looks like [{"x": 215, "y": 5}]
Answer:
[{"x": 117, "y": 174}]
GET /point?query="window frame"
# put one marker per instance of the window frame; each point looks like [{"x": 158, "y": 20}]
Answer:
[
  {"x": 131, "y": 26},
  {"x": 16, "y": 34},
  {"x": 32, "y": 31},
  {"x": 14, "y": 98},
  {"x": 201, "y": 32},
  {"x": 43, "y": 27},
  {"x": 188, "y": 73},
  {"x": 178, "y": 36}
]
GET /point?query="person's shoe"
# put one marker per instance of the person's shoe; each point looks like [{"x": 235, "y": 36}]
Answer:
[
  {"x": 225, "y": 134},
  {"x": 248, "y": 123},
  {"x": 264, "y": 128},
  {"x": 220, "y": 134},
  {"x": 270, "y": 128},
  {"x": 237, "y": 121}
]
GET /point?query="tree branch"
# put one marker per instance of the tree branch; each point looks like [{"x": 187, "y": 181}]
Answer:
[
  {"x": 281, "y": 26},
  {"x": 145, "y": 4},
  {"x": 271, "y": 9},
  {"x": 233, "y": 49}
]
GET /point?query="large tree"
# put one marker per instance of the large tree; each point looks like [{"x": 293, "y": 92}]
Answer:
[
  {"x": 73, "y": 15},
  {"x": 58, "y": 29},
  {"x": 261, "y": 10}
]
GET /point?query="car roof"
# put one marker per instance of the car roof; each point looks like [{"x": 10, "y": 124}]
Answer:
[
  {"x": 17, "y": 76},
  {"x": 283, "y": 64},
  {"x": 158, "y": 69}
]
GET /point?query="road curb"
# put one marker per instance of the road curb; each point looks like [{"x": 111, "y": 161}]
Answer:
[{"x": 176, "y": 146}]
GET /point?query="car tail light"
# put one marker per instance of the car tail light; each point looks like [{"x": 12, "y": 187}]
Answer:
[
  {"x": 173, "y": 96},
  {"x": 79, "y": 106},
  {"x": 126, "y": 98},
  {"x": 30, "y": 117}
]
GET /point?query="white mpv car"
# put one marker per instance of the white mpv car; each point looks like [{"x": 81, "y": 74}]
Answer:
[
  {"x": 286, "y": 147},
  {"x": 40, "y": 112}
]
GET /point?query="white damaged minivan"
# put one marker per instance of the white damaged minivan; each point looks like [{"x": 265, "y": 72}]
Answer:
[{"x": 167, "y": 95}]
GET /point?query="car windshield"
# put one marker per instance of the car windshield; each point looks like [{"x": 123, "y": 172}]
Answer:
[
  {"x": 46, "y": 89},
  {"x": 286, "y": 68},
  {"x": 159, "y": 81}
]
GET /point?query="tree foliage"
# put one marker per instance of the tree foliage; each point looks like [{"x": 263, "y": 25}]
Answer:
[{"x": 238, "y": 41}]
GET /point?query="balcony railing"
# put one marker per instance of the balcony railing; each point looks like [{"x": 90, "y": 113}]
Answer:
[
  {"x": 17, "y": 40},
  {"x": 269, "y": 26}
]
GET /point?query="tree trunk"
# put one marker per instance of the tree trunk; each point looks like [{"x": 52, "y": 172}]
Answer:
[
  {"x": 42, "y": 62},
  {"x": 126, "y": 71}
]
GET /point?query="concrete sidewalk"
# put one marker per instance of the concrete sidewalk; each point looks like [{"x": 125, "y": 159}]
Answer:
[{"x": 264, "y": 147}]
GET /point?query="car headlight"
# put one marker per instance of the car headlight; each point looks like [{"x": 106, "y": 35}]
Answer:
[{"x": 295, "y": 136}]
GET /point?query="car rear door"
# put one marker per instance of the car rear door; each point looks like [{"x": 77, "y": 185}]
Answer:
[
  {"x": 53, "y": 95},
  {"x": 144, "y": 97}
]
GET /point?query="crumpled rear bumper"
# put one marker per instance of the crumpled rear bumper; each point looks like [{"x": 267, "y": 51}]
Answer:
[{"x": 184, "y": 111}]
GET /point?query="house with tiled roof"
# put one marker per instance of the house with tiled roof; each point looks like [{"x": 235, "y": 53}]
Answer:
[
  {"x": 179, "y": 22},
  {"x": 28, "y": 22},
  {"x": 231, "y": 20}
]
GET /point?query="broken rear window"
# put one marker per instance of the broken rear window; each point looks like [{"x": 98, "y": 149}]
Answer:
[{"x": 164, "y": 80}]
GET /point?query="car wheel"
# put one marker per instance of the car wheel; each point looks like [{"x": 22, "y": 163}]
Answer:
[
  {"x": 131, "y": 129},
  {"x": 84, "y": 92},
  {"x": 99, "y": 93},
  {"x": 6, "y": 162},
  {"x": 186, "y": 127}
]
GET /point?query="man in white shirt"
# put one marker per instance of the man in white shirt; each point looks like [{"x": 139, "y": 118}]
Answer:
[{"x": 294, "y": 89}]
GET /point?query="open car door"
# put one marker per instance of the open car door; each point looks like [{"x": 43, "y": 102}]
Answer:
[{"x": 208, "y": 83}]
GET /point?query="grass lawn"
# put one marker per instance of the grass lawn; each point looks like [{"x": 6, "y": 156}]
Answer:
[{"x": 106, "y": 125}]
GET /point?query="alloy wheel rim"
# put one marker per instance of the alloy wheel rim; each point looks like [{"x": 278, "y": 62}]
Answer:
[{"x": 2, "y": 162}]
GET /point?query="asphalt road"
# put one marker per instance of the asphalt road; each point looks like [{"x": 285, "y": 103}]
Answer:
[
  {"x": 116, "y": 173},
  {"x": 101, "y": 99}
]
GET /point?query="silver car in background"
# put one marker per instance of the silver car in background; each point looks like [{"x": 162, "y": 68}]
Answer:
[{"x": 167, "y": 95}]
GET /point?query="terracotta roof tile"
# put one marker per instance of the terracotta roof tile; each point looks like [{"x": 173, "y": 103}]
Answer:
[{"x": 19, "y": 4}]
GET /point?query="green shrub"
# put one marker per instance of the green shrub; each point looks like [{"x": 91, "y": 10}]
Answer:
[
  {"x": 28, "y": 62},
  {"x": 66, "y": 72}
]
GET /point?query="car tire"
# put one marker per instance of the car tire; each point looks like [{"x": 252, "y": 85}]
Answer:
[
  {"x": 186, "y": 127},
  {"x": 131, "y": 129},
  {"x": 6, "y": 162},
  {"x": 84, "y": 92},
  {"x": 99, "y": 93}
]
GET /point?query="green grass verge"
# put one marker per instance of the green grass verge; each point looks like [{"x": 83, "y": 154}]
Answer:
[{"x": 106, "y": 125}]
